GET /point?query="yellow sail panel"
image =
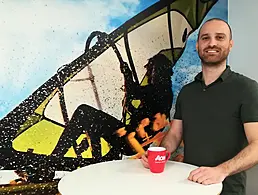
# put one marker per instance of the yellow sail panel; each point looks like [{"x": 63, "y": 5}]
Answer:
[
  {"x": 144, "y": 81},
  {"x": 105, "y": 147},
  {"x": 136, "y": 103},
  {"x": 42, "y": 138},
  {"x": 31, "y": 120},
  {"x": 70, "y": 153},
  {"x": 42, "y": 106},
  {"x": 86, "y": 154},
  {"x": 128, "y": 118}
]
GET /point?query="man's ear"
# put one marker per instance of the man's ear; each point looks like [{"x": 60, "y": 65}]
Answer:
[
  {"x": 231, "y": 43},
  {"x": 196, "y": 46}
]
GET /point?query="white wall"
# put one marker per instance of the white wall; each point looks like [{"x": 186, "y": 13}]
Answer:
[{"x": 243, "y": 17}]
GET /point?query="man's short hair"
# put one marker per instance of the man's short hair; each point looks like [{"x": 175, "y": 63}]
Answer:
[{"x": 218, "y": 19}]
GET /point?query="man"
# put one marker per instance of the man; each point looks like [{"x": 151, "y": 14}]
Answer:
[{"x": 216, "y": 116}]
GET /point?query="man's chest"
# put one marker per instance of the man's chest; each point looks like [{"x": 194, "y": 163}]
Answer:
[{"x": 212, "y": 103}]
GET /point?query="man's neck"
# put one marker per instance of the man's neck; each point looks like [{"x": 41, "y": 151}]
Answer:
[{"x": 212, "y": 73}]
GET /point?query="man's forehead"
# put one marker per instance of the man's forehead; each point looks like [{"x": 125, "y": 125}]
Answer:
[{"x": 214, "y": 27}]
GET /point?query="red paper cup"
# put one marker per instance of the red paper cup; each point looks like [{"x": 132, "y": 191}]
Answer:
[{"x": 157, "y": 158}]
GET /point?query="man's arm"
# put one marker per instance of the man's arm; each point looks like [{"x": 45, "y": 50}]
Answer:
[
  {"x": 244, "y": 160},
  {"x": 248, "y": 157},
  {"x": 174, "y": 136}
]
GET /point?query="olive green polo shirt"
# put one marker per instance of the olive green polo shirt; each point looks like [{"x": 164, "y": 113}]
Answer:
[{"x": 213, "y": 118}]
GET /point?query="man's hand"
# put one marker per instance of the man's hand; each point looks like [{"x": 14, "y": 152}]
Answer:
[
  {"x": 144, "y": 160},
  {"x": 208, "y": 175}
]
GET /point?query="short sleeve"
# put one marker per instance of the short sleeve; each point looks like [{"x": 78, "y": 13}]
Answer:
[
  {"x": 178, "y": 111},
  {"x": 249, "y": 105}
]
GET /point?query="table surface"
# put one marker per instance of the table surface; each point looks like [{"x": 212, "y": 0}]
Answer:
[{"x": 126, "y": 177}]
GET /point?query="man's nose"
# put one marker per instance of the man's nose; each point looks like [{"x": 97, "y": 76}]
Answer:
[{"x": 212, "y": 42}]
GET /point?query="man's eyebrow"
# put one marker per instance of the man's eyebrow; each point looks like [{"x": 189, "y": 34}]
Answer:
[
  {"x": 206, "y": 34},
  {"x": 221, "y": 34}
]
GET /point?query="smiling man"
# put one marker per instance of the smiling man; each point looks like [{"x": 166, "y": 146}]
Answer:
[{"x": 217, "y": 116}]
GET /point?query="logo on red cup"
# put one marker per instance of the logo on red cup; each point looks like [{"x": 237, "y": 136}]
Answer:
[
  {"x": 157, "y": 158},
  {"x": 160, "y": 159}
]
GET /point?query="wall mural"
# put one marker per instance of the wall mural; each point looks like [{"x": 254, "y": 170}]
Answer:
[{"x": 81, "y": 87}]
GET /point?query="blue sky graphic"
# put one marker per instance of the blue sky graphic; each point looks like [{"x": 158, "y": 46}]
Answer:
[
  {"x": 27, "y": 63},
  {"x": 33, "y": 57},
  {"x": 143, "y": 4}
]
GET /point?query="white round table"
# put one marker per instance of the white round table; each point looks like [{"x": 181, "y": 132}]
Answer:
[{"x": 129, "y": 177}]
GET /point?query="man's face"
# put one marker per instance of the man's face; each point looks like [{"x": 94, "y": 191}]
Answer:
[{"x": 214, "y": 43}]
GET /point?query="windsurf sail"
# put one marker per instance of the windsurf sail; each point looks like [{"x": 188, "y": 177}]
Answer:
[{"x": 34, "y": 127}]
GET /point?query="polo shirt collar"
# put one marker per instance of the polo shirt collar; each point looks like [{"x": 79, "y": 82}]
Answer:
[{"x": 223, "y": 76}]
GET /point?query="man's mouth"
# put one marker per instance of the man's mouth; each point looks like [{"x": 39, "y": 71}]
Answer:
[{"x": 212, "y": 51}]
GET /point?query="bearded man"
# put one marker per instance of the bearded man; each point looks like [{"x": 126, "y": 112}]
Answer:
[{"x": 216, "y": 116}]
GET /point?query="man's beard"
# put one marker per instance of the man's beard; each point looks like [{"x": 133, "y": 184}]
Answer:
[{"x": 214, "y": 62}]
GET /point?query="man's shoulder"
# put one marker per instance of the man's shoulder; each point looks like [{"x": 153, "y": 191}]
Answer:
[
  {"x": 244, "y": 81},
  {"x": 189, "y": 86},
  {"x": 187, "y": 89}
]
